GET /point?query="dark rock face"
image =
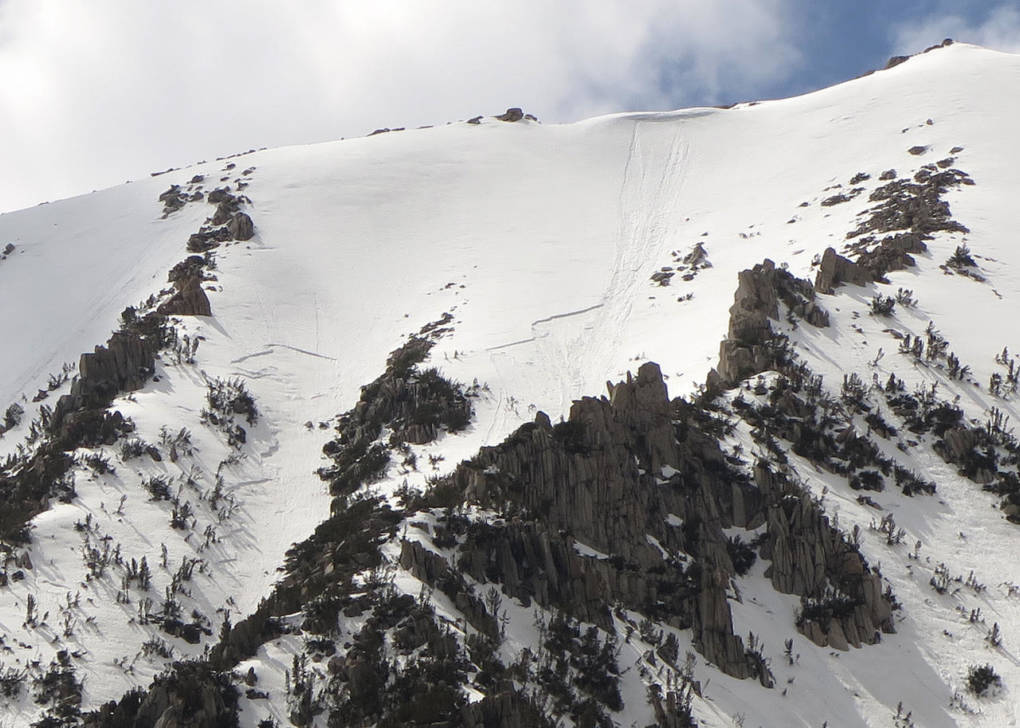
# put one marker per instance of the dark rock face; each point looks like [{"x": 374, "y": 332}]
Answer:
[
  {"x": 836, "y": 199},
  {"x": 207, "y": 238},
  {"x": 190, "y": 267},
  {"x": 907, "y": 214},
  {"x": 892, "y": 254},
  {"x": 228, "y": 222},
  {"x": 591, "y": 482},
  {"x": 590, "y": 451},
  {"x": 223, "y": 212},
  {"x": 811, "y": 558},
  {"x": 241, "y": 227},
  {"x": 433, "y": 569},
  {"x": 914, "y": 205},
  {"x": 835, "y": 269},
  {"x": 511, "y": 114},
  {"x": 218, "y": 195},
  {"x": 751, "y": 345},
  {"x": 173, "y": 199},
  {"x": 189, "y": 300},
  {"x": 123, "y": 365}
]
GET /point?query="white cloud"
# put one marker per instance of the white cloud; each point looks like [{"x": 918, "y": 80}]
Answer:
[
  {"x": 92, "y": 93},
  {"x": 999, "y": 30}
]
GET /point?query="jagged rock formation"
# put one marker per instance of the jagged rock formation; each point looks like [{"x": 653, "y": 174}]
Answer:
[
  {"x": 835, "y": 270},
  {"x": 241, "y": 227},
  {"x": 511, "y": 114},
  {"x": 751, "y": 346},
  {"x": 190, "y": 299},
  {"x": 435, "y": 571},
  {"x": 908, "y": 213},
  {"x": 228, "y": 222},
  {"x": 173, "y": 199},
  {"x": 591, "y": 482},
  {"x": 415, "y": 404},
  {"x": 843, "y": 599},
  {"x": 123, "y": 365}
]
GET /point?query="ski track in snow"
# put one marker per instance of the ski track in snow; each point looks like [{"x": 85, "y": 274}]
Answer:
[{"x": 651, "y": 184}]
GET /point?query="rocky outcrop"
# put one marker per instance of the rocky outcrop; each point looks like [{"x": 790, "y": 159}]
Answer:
[
  {"x": 207, "y": 238},
  {"x": 432, "y": 569},
  {"x": 191, "y": 267},
  {"x": 842, "y": 597},
  {"x": 228, "y": 222},
  {"x": 123, "y": 365},
  {"x": 511, "y": 114},
  {"x": 241, "y": 227},
  {"x": 586, "y": 500},
  {"x": 835, "y": 270},
  {"x": 173, "y": 199},
  {"x": 751, "y": 345},
  {"x": 892, "y": 254},
  {"x": 908, "y": 212},
  {"x": 580, "y": 474},
  {"x": 190, "y": 299},
  {"x": 415, "y": 405}
]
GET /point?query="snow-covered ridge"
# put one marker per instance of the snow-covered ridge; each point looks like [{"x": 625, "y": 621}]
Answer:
[{"x": 541, "y": 242}]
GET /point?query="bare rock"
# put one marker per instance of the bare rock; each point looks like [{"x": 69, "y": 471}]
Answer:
[
  {"x": 218, "y": 195},
  {"x": 835, "y": 269},
  {"x": 751, "y": 345},
  {"x": 189, "y": 300},
  {"x": 837, "y": 640},
  {"x": 241, "y": 227},
  {"x": 190, "y": 267},
  {"x": 207, "y": 238},
  {"x": 959, "y": 441},
  {"x": 511, "y": 114}
]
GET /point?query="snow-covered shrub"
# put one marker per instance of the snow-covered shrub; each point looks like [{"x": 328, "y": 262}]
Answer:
[
  {"x": 12, "y": 416},
  {"x": 961, "y": 258},
  {"x": 882, "y": 305},
  {"x": 982, "y": 678},
  {"x": 229, "y": 397}
]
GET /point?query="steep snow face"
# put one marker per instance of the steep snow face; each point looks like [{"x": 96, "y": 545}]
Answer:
[
  {"x": 553, "y": 231},
  {"x": 541, "y": 241}
]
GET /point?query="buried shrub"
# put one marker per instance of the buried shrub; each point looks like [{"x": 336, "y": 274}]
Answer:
[{"x": 982, "y": 678}]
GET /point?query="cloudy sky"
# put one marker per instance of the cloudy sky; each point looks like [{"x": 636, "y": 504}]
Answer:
[{"x": 94, "y": 93}]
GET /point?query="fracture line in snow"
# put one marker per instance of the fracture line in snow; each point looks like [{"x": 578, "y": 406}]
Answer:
[
  {"x": 539, "y": 322},
  {"x": 568, "y": 314},
  {"x": 282, "y": 346}
]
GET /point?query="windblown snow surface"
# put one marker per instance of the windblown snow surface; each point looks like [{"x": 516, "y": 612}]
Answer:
[{"x": 540, "y": 240}]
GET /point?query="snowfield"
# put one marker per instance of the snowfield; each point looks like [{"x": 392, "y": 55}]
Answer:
[{"x": 541, "y": 242}]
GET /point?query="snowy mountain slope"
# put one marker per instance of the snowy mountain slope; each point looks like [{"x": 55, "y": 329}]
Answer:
[{"x": 541, "y": 242}]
